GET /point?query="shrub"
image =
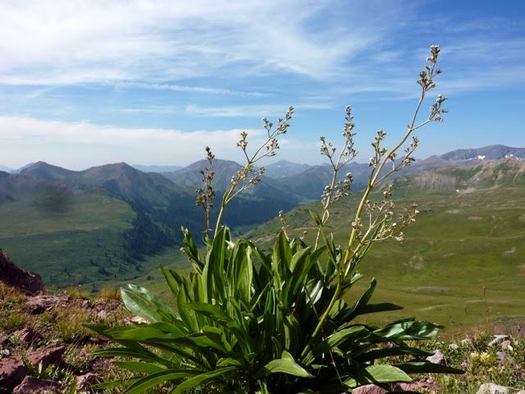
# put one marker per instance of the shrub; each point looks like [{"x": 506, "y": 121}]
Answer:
[{"x": 256, "y": 321}]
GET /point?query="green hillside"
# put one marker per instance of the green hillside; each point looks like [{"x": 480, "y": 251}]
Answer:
[{"x": 79, "y": 245}]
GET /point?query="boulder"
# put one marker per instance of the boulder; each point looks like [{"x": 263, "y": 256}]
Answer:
[
  {"x": 24, "y": 281},
  {"x": 31, "y": 385},
  {"x": 491, "y": 388}
]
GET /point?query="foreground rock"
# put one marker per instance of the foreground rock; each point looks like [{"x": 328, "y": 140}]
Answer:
[
  {"x": 24, "y": 281},
  {"x": 491, "y": 388},
  {"x": 84, "y": 382},
  {"x": 31, "y": 385},
  {"x": 369, "y": 389},
  {"x": 13, "y": 370}
]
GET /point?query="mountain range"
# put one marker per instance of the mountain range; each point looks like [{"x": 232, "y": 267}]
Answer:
[{"x": 90, "y": 226}]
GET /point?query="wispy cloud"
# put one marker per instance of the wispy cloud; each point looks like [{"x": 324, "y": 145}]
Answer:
[
  {"x": 80, "y": 145},
  {"x": 190, "y": 89},
  {"x": 81, "y": 41},
  {"x": 240, "y": 111}
]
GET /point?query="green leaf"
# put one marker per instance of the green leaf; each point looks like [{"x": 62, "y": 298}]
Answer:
[
  {"x": 286, "y": 364},
  {"x": 200, "y": 379},
  {"x": 211, "y": 311},
  {"x": 381, "y": 373},
  {"x": 315, "y": 217},
  {"x": 408, "y": 329},
  {"x": 141, "y": 302},
  {"x": 146, "y": 332},
  {"x": 141, "y": 367},
  {"x": 155, "y": 379},
  {"x": 343, "y": 335}
]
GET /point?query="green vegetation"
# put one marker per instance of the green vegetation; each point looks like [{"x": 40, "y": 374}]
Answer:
[
  {"x": 83, "y": 244},
  {"x": 249, "y": 321}
]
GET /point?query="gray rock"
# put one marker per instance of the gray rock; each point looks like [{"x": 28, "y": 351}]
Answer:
[
  {"x": 498, "y": 339},
  {"x": 491, "y": 388},
  {"x": 437, "y": 358},
  {"x": 31, "y": 385},
  {"x": 506, "y": 344},
  {"x": 504, "y": 358}
]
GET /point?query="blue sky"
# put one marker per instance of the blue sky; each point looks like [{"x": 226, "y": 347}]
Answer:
[{"x": 152, "y": 82}]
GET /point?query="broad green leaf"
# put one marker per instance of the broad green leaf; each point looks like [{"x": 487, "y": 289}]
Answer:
[
  {"x": 380, "y": 373},
  {"x": 408, "y": 329},
  {"x": 141, "y": 302},
  {"x": 155, "y": 379},
  {"x": 198, "y": 380},
  {"x": 286, "y": 364},
  {"x": 141, "y": 367},
  {"x": 146, "y": 331},
  {"x": 343, "y": 335},
  {"x": 211, "y": 311}
]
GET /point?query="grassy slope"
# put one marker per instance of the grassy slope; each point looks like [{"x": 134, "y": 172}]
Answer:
[
  {"x": 71, "y": 247},
  {"x": 462, "y": 263}
]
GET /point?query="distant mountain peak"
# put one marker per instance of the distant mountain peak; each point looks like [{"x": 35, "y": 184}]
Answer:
[
  {"x": 490, "y": 152},
  {"x": 45, "y": 171}
]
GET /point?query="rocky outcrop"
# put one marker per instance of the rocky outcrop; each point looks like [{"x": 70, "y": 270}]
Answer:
[
  {"x": 24, "y": 281},
  {"x": 13, "y": 370},
  {"x": 31, "y": 385}
]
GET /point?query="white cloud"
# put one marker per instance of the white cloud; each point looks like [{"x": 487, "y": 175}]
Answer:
[
  {"x": 83, "y": 41},
  {"x": 81, "y": 145}
]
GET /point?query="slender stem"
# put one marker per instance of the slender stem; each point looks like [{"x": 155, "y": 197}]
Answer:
[{"x": 345, "y": 263}]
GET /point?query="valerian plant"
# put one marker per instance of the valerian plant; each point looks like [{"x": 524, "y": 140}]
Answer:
[{"x": 247, "y": 320}]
